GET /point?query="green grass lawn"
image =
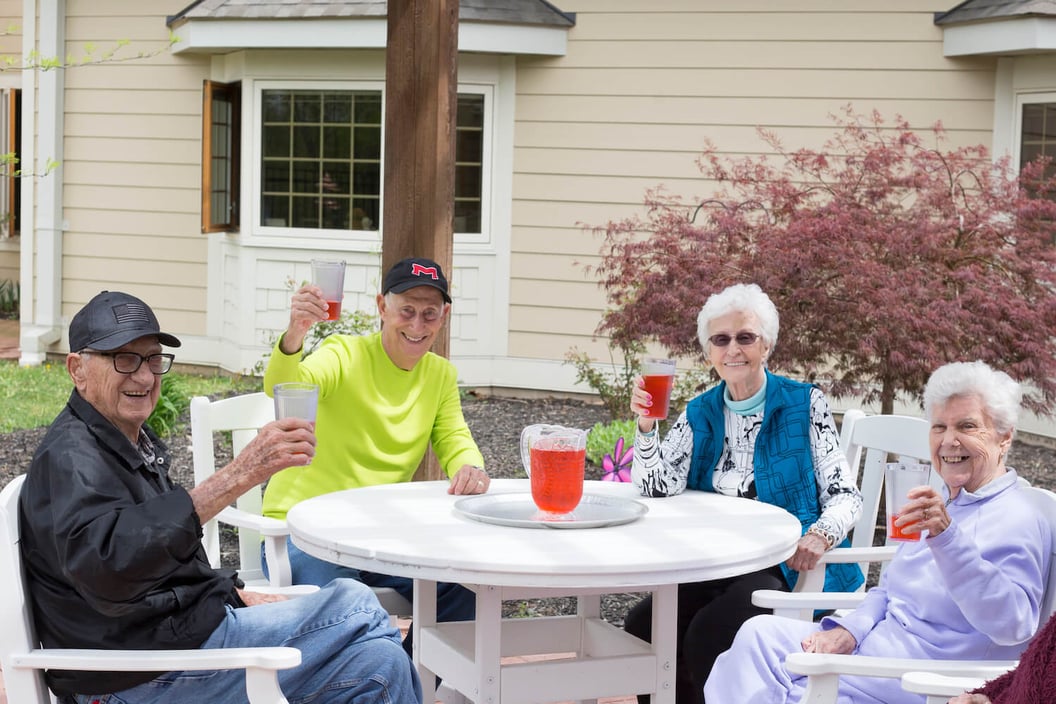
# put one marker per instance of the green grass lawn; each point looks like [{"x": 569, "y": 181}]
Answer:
[{"x": 31, "y": 397}]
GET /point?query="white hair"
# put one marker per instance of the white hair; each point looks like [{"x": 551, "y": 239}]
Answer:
[
  {"x": 740, "y": 298},
  {"x": 1000, "y": 394}
]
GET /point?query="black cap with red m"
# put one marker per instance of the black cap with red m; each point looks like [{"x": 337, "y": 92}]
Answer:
[{"x": 415, "y": 271}]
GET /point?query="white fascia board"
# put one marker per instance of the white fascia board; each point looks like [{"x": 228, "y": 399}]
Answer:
[
  {"x": 1027, "y": 35},
  {"x": 211, "y": 36},
  {"x": 513, "y": 39},
  {"x": 207, "y": 36}
]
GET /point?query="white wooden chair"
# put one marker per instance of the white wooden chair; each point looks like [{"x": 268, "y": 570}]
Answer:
[
  {"x": 824, "y": 670},
  {"x": 243, "y": 416},
  {"x": 24, "y": 661},
  {"x": 868, "y": 442}
]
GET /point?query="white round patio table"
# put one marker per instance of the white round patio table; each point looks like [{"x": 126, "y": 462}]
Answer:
[{"x": 412, "y": 530}]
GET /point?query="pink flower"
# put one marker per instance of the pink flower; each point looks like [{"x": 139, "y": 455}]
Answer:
[{"x": 618, "y": 469}]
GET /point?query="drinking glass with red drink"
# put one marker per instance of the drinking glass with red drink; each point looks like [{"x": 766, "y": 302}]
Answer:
[
  {"x": 329, "y": 275},
  {"x": 899, "y": 478},
  {"x": 554, "y": 458},
  {"x": 659, "y": 376}
]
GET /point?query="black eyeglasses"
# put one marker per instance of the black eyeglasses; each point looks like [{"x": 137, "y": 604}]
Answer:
[
  {"x": 743, "y": 339},
  {"x": 129, "y": 362}
]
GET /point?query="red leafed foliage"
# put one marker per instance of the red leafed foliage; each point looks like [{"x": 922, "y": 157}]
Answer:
[{"x": 886, "y": 256}]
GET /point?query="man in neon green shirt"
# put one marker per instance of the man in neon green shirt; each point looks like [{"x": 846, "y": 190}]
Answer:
[{"x": 382, "y": 399}]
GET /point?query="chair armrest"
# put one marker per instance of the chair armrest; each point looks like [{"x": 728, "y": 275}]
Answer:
[
  {"x": 880, "y": 553},
  {"x": 814, "y": 580},
  {"x": 869, "y": 666},
  {"x": 291, "y": 590},
  {"x": 944, "y": 686},
  {"x": 271, "y": 658},
  {"x": 802, "y": 605},
  {"x": 264, "y": 525},
  {"x": 824, "y": 670},
  {"x": 261, "y": 664}
]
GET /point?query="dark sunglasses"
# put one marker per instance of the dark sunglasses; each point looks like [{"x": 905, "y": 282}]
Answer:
[{"x": 743, "y": 339}]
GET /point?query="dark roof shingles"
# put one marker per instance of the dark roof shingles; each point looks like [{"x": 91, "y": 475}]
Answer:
[
  {"x": 982, "y": 10},
  {"x": 535, "y": 12}
]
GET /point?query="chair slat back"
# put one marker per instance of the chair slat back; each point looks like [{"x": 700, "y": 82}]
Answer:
[
  {"x": 17, "y": 631},
  {"x": 870, "y": 442},
  {"x": 243, "y": 416}
]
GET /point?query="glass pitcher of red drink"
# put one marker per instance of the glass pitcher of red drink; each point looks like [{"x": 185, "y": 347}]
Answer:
[{"x": 554, "y": 458}]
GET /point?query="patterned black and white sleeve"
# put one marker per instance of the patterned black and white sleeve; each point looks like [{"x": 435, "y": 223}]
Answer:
[
  {"x": 661, "y": 468},
  {"x": 838, "y": 494}
]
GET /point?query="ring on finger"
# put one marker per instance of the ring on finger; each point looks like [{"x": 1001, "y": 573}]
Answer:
[{"x": 925, "y": 514}]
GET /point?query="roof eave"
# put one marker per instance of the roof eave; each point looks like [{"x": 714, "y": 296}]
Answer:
[
  {"x": 1020, "y": 35},
  {"x": 223, "y": 36}
]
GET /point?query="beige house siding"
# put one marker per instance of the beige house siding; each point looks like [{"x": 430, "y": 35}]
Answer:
[
  {"x": 131, "y": 169},
  {"x": 578, "y": 139},
  {"x": 8, "y": 261},
  {"x": 644, "y": 84},
  {"x": 11, "y": 34}
]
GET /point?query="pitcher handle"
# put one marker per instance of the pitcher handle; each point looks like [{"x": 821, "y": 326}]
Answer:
[{"x": 526, "y": 455}]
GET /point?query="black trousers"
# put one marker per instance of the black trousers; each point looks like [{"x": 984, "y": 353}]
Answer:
[{"x": 709, "y": 614}]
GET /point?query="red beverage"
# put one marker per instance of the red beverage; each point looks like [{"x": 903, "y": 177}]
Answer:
[
  {"x": 896, "y": 532},
  {"x": 557, "y": 478},
  {"x": 659, "y": 386},
  {"x": 333, "y": 310}
]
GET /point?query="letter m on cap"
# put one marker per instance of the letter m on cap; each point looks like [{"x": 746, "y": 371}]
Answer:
[{"x": 419, "y": 270}]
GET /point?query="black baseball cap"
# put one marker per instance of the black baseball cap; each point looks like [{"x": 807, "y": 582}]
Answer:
[
  {"x": 113, "y": 319},
  {"x": 415, "y": 271}
]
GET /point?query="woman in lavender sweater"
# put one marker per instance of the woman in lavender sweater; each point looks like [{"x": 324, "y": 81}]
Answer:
[{"x": 971, "y": 590}]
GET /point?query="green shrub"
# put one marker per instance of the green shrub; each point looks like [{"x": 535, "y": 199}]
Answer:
[
  {"x": 614, "y": 388},
  {"x": 177, "y": 390},
  {"x": 601, "y": 440},
  {"x": 351, "y": 322},
  {"x": 355, "y": 322},
  {"x": 172, "y": 402}
]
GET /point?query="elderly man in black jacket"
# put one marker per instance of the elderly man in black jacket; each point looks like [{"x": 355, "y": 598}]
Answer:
[{"x": 113, "y": 554}]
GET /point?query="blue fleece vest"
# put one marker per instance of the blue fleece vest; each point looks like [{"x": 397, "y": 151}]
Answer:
[{"x": 784, "y": 464}]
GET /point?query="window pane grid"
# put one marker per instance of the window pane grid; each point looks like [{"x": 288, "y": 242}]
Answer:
[
  {"x": 316, "y": 173},
  {"x": 221, "y": 140},
  {"x": 321, "y": 157},
  {"x": 469, "y": 163},
  {"x": 1039, "y": 133}
]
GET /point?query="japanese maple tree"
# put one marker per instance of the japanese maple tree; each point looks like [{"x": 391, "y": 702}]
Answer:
[{"x": 885, "y": 254}]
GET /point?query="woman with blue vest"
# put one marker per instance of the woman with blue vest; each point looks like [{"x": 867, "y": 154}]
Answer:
[{"x": 755, "y": 435}]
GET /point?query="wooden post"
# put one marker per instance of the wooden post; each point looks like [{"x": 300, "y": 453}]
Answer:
[{"x": 421, "y": 99}]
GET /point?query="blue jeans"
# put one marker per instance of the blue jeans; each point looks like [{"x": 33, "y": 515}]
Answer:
[
  {"x": 349, "y": 654},
  {"x": 453, "y": 601}
]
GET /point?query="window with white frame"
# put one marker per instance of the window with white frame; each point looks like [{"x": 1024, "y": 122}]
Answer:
[
  {"x": 320, "y": 157},
  {"x": 469, "y": 163},
  {"x": 1037, "y": 136}
]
